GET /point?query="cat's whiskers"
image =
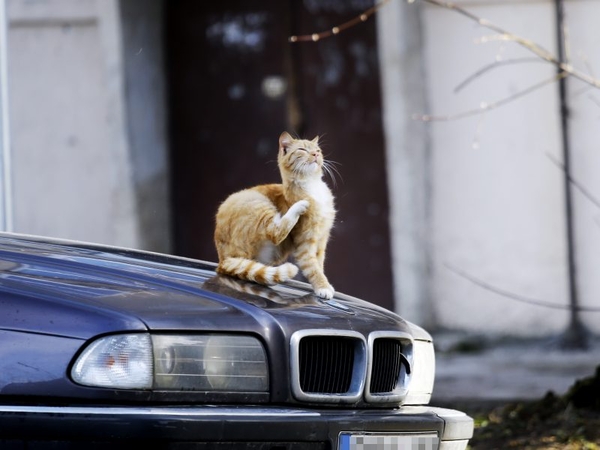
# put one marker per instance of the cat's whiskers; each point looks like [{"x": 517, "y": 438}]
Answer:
[
  {"x": 302, "y": 167},
  {"x": 332, "y": 171},
  {"x": 298, "y": 168}
]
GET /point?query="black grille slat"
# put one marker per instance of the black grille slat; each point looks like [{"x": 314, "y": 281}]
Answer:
[
  {"x": 326, "y": 364},
  {"x": 387, "y": 363}
]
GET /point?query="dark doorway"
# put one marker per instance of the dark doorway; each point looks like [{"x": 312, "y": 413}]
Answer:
[{"x": 235, "y": 83}]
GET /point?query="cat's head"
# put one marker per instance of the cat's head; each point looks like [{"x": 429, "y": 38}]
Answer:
[{"x": 300, "y": 157}]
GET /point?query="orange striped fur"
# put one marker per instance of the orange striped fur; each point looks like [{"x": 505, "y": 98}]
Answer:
[{"x": 257, "y": 229}]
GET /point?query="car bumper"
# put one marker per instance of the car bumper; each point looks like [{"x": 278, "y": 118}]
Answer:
[{"x": 230, "y": 427}]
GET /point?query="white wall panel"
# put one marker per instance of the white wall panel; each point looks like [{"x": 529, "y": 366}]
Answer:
[{"x": 497, "y": 199}]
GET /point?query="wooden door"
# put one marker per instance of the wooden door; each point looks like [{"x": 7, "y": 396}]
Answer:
[{"x": 235, "y": 83}]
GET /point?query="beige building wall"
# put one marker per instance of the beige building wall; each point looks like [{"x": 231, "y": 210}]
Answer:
[
  {"x": 84, "y": 113},
  {"x": 481, "y": 195}
]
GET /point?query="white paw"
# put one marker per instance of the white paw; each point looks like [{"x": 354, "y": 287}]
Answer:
[
  {"x": 326, "y": 293},
  {"x": 300, "y": 207}
]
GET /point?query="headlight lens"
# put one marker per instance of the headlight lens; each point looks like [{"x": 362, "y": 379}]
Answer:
[
  {"x": 423, "y": 374},
  {"x": 214, "y": 362},
  {"x": 210, "y": 363}
]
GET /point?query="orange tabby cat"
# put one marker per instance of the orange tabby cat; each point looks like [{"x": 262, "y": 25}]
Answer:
[{"x": 257, "y": 229}]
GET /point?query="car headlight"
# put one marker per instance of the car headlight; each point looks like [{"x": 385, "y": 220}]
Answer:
[
  {"x": 423, "y": 374},
  {"x": 211, "y": 362}
]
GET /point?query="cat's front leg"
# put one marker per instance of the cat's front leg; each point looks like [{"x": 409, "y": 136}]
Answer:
[
  {"x": 280, "y": 227},
  {"x": 312, "y": 269}
]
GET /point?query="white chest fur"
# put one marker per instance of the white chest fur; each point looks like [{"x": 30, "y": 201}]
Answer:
[{"x": 319, "y": 192}]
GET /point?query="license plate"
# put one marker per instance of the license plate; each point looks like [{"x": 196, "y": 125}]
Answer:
[{"x": 380, "y": 441}]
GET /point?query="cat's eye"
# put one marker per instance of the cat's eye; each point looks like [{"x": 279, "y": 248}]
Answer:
[{"x": 303, "y": 149}]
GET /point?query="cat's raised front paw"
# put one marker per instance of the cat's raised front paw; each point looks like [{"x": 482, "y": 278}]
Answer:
[
  {"x": 326, "y": 293},
  {"x": 300, "y": 207}
]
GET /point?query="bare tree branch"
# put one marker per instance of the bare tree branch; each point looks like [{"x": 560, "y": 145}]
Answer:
[
  {"x": 362, "y": 17},
  {"x": 492, "y": 66},
  {"x": 490, "y": 106},
  {"x": 516, "y": 297},
  {"x": 537, "y": 49}
]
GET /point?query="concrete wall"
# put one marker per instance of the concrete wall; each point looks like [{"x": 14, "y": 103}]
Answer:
[
  {"x": 78, "y": 121},
  {"x": 584, "y": 130},
  {"x": 481, "y": 194}
]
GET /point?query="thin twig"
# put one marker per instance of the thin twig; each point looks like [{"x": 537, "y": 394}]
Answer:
[
  {"x": 362, "y": 17},
  {"x": 590, "y": 70},
  {"x": 587, "y": 194},
  {"x": 586, "y": 62},
  {"x": 516, "y": 297},
  {"x": 594, "y": 100},
  {"x": 492, "y": 66},
  {"x": 490, "y": 106}
]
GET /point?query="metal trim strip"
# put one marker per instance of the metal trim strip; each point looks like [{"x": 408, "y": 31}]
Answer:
[{"x": 156, "y": 411}]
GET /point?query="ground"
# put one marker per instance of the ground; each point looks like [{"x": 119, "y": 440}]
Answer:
[{"x": 568, "y": 422}]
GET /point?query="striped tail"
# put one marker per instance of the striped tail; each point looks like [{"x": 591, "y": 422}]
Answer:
[{"x": 248, "y": 269}]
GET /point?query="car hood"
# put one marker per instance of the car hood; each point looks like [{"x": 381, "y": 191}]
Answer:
[{"x": 81, "y": 291}]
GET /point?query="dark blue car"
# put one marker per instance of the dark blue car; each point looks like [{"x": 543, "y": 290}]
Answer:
[{"x": 110, "y": 348}]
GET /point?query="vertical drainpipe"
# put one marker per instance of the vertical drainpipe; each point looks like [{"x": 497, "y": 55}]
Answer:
[
  {"x": 6, "y": 216},
  {"x": 576, "y": 335}
]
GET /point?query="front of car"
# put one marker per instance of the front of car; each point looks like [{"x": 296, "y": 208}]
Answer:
[{"x": 114, "y": 347}]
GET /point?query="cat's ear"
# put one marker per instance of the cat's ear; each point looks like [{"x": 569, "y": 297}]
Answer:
[
  {"x": 315, "y": 140},
  {"x": 285, "y": 140}
]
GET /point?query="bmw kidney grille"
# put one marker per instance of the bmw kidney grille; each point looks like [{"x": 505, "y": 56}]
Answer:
[{"x": 343, "y": 367}]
